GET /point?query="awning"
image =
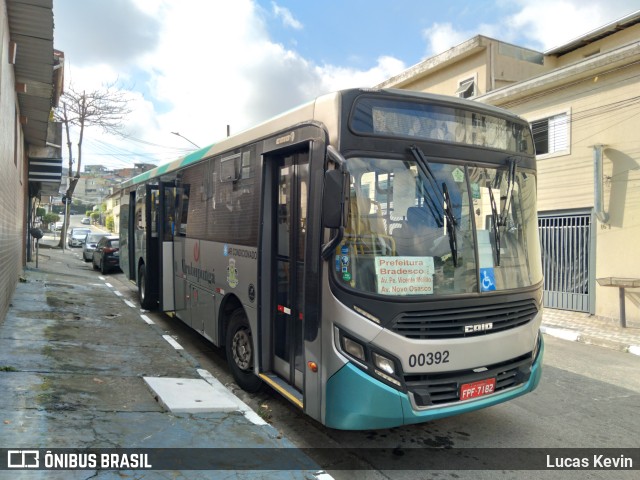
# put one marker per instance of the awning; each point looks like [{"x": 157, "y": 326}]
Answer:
[{"x": 45, "y": 175}]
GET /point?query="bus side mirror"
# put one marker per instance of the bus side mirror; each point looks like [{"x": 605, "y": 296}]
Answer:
[{"x": 332, "y": 203}]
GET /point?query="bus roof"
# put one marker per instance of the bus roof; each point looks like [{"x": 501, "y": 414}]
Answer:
[
  {"x": 303, "y": 113},
  {"x": 294, "y": 116}
]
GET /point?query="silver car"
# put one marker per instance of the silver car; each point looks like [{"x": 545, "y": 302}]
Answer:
[
  {"x": 76, "y": 236},
  {"x": 90, "y": 245}
]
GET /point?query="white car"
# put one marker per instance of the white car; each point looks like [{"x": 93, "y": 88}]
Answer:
[{"x": 76, "y": 236}]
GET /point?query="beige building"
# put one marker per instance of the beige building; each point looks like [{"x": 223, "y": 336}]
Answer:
[
  {"x": 92, "y": 189},
  {"x": 113, "y": 208},
  {"x": 583, "y": 102}
]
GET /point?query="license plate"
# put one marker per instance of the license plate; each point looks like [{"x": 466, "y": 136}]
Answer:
[{"x": 477, "y": 389}]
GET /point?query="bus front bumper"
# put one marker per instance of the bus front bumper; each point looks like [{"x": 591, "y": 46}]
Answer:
[{"x": 357, "y": 401}]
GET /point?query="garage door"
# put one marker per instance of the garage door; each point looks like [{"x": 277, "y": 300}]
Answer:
[{"x": 566, "y": 249}]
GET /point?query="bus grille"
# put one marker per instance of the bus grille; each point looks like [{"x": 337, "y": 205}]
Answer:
[
  {"x": 451, "y": 322},
  {"x": 443, "y": 388}
]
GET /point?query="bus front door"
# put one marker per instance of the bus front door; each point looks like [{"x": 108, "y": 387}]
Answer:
[{"x": 290, "y": 232}]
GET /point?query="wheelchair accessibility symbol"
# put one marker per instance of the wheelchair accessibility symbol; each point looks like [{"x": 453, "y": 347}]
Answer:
[{"x": 487, "y": 280}]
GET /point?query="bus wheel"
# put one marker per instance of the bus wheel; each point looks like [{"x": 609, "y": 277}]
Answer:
[
  {"x": 240, "y": 353},
  {"x": 145, "y": 301}
]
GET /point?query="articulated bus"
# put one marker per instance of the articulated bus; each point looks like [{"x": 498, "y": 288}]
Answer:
[{"x": 372, "y": 255}]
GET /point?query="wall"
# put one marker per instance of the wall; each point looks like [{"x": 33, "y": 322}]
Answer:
[
  {"x": 605, "y": 109},
  {"x": 445, "y": 81},
  {"x": 494, "y": 64},
  {"x": 13, "y": 179},
  {"x": 608, "y": 43}
]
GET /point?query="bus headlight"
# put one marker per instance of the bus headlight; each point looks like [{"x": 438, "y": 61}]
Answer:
[
  {"x": 384, "y": 364},
  {"x": 377, "y": 363},
  {"x": 353, "y": 348}
]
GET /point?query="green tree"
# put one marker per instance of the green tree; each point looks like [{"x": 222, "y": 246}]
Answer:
[
  {"x": 95, "y": 216},
  {"x": 40, "y": 212},
  {"x": 48, "y": 218},
  {"x": 110, "y": 223}
]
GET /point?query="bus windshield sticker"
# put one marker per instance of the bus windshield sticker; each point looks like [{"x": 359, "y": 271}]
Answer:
[
  {"x": 404, "y": 275},
  {"x": 487, "y": 280}
]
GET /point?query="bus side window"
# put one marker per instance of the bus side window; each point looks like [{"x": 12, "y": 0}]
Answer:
[
  {"x": 194, "y": 202},
  {"x": 155, "y": 205},
  {"x": 140, "y": 223},
  {"x": 183, "y": 210}
]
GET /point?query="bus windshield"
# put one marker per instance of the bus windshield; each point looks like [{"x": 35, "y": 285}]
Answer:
[{"x": 467, "y": 229}]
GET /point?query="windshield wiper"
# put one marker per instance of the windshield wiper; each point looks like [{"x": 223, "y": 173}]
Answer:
[
  {"x": 434, "y": 205},
  {"x": 443, "y": 199},
  {"x": 451, "y": 225},
  {"x": 495, "y": 221},
  {"x": 505, "y": 202},
  {"x": 500, "y": 220}
]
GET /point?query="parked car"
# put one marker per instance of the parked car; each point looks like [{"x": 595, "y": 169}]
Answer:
[
  {"x": 76, "y": 236},
  {"x": 90, "y": 244},
  {"x": 85, "y": 221},
  {"x": 106, "y": 256}
]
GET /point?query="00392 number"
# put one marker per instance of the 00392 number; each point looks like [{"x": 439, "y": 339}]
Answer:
[{"x": 430, "y": 358}]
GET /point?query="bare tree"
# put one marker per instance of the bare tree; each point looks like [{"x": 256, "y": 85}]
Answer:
[{"x": 105, "y": 108}]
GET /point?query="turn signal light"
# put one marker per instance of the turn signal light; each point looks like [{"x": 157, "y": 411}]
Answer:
[{"x": 313, "y": 366}]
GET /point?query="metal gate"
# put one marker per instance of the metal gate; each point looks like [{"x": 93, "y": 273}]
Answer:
[{"x": 565, "y": 242}]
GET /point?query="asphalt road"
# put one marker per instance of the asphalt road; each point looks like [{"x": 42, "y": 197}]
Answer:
[{"x": 589, "y": 397}]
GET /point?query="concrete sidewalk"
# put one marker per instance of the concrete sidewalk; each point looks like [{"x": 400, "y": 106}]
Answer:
[
  {"x": 81, "y": 366},
  {"x": 585, "y": 328}
]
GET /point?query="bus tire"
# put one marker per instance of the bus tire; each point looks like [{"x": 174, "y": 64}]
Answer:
[
  {"x": 240, "y": 352},
  {"x": 146, "y": 301}
]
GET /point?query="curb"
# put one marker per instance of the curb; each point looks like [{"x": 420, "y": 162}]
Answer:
[{"x": 576, "y": 336}]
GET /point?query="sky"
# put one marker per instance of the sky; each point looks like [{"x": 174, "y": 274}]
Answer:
[{"x": 195, "y": 66}]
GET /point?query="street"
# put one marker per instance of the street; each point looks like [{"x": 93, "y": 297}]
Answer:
[{"x": 588, "y": 398}]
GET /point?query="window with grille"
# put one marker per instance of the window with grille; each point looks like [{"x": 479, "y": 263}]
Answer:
[{"x": 551, "y": 134}]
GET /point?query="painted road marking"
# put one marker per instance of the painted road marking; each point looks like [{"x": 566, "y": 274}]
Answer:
[{"x": 172, "y": 342}]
